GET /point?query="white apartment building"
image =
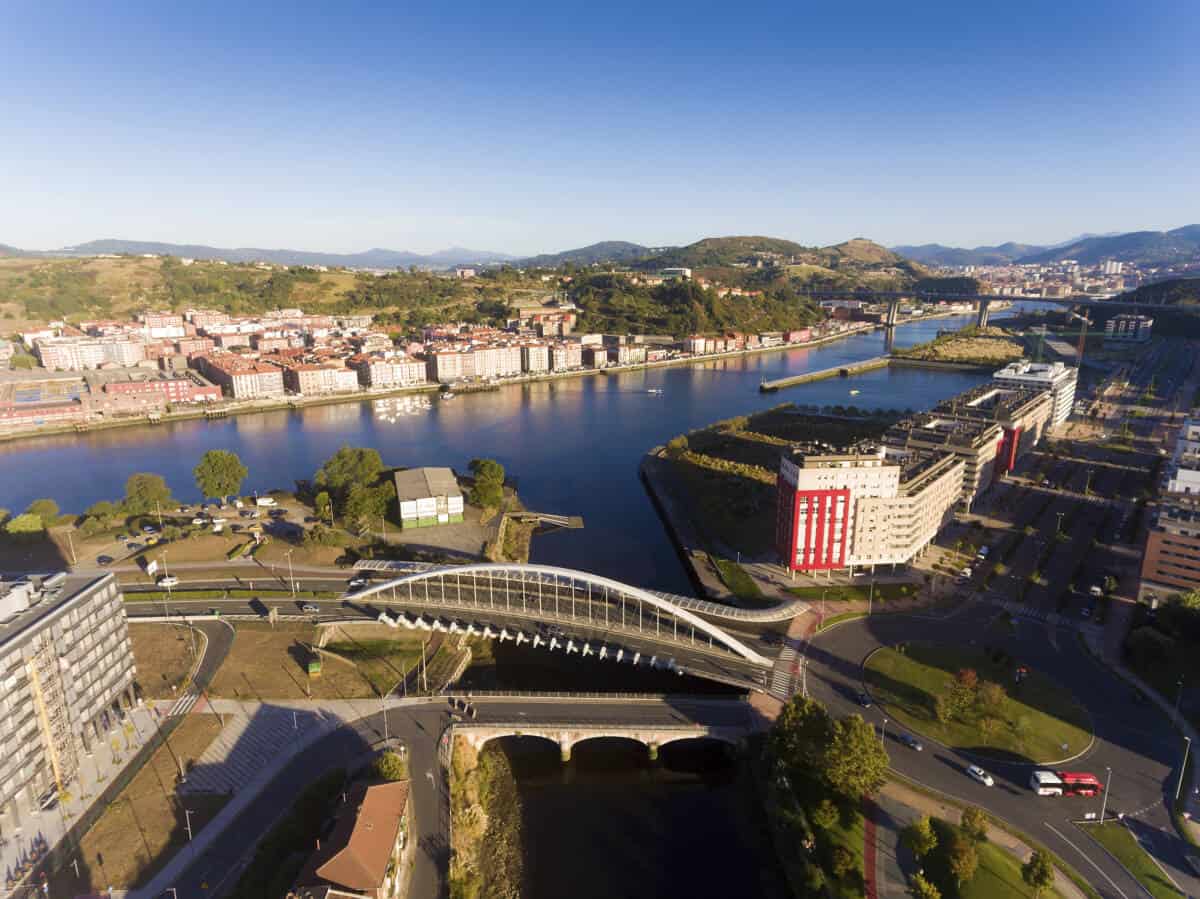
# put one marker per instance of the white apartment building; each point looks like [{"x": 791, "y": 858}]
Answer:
[
  {"x": 386, "y": 373},
  {"x": 841, "y": 508},
  {"x": 1060, "y": 379},
  {"x": 535, "y": 358},
  {"x": 79, "y": 353},
  {"x": 65, "y": 664},
  {"x": 566, "y": 356}
]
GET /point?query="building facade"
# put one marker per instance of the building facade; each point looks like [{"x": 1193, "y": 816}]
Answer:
[
  {"x": 66, "y": 664},
  {"x": 842, "y": 508},
  {"x": 1126, "y": 328},
  {"x": 1056, "y": 377}
]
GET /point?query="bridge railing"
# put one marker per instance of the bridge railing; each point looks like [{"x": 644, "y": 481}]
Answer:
[{"x": 567, "y": 694}]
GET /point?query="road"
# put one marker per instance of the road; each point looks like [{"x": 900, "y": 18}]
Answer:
[
  {"x": 418, "y": 727},
  {"x": 1132, "y": 738}
]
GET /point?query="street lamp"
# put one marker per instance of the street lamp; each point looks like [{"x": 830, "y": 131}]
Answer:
[
  {"x": 187, "y": 817},
  {"x": 1104, "y": 801},
  {"x": 291, "y": 579},
  {"x": 1178, "y": 696},
  {"x": 883, "y": 733},
  {"x": 1187, "y": 745}
]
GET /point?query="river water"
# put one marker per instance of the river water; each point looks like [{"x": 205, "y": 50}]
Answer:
[{"x": 573, "y": 444}]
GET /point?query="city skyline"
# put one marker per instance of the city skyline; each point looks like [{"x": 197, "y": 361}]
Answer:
[{"x": 536, "y": 132}]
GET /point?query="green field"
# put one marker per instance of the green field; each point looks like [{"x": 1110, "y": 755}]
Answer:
[
  {"x": 737, "y": 580},
  {"x": 1033, "y": 723},
  {"x": 997, "y": 877},
  {"x": 1117, "y": 839}
]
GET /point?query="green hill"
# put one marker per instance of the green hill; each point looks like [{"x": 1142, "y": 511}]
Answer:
[
  {"x": 1144, "y": 247},
  {"x": 605, "y": 251},
  {"x": 1176, "y": 292}
]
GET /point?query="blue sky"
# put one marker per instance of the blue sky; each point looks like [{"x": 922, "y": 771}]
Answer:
[{"x": 535, "y": 127}]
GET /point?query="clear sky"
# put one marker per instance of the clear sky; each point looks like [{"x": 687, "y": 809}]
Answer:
[{"x": 529, "y": 127}]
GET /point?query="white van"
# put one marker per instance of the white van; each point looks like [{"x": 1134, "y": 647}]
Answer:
[
  {"x": 264, "y": 501},
  {"x": 1046, "y": 783}
]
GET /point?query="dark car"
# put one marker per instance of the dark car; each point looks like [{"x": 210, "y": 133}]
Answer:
[
  {"x": 104, "y": 560},
  {"x": 864, "y": 699},
  {"x": 911, "y": 742}
]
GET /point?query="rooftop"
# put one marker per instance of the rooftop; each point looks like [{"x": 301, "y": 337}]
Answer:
[
  {"x": 816, "y": 454},
  {"x": 991, "y": 402},
  {"x": 418, "y": 483},
  {"x": 27, "y": 600},
  {"x": 357, "y": 852}
]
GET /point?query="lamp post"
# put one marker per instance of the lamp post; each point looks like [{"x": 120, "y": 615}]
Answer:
[
  {"x": 871, "y": 595},
  {"x": 1187, "y": 745},
  {"x": 187, "y": 817},
  {"x": 1104, "y": 801},
  {"x": 383, "y": 707},
  {"x": 1178, "y": 696},
  {"x": 291, "y": 579},
  {"x": 883, "y": 733}
]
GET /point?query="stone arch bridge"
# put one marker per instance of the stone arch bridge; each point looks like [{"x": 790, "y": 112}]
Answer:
[{"x": 567, "y": 735}]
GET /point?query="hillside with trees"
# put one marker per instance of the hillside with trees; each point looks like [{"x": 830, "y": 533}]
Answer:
[
  {"x": 1144, "y": 247},
  {"x": 1176, "y": 292}
]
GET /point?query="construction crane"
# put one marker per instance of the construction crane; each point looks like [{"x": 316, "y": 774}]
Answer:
[{"x": 1082, "y": 335}]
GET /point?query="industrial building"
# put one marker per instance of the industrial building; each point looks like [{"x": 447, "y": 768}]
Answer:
[
  {"x": 861, "y": 506},
  {"x": 428, "y": 497},
  {"x": 66, "y": 664},
  {"x": 1059, "y": 379}
]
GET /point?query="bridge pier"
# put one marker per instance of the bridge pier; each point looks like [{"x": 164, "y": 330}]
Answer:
[
  {"x": 652, "y": 749},
  {"x": 981, "y": 317},
  {"x": 564, "y": 749},
  {"x": 893, "y": 313}
]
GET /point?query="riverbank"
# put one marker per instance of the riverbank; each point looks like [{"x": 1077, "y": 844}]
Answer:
[{"x": 296, "y": 403}]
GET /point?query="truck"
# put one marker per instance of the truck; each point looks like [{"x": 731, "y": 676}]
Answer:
[{"x": 1046, "y": 783}]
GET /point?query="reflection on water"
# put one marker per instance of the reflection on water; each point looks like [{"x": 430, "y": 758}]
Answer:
[
  {"x": 574, "y": 444},
  {"x": 613, "y": 823}
]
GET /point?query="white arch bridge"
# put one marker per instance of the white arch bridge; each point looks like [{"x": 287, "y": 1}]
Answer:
[{"x": 558, "y": 606}]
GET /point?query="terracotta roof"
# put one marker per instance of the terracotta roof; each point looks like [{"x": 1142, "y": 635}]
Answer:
[{"x": 357, "y": 852}]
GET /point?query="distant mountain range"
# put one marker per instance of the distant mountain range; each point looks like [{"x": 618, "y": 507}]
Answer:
[
  {"x": 1145, "y": 247},
  {"x": 375, "y": 258}
]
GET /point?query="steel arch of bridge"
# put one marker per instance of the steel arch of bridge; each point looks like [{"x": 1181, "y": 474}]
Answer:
[{"x": 528, "y": 575}]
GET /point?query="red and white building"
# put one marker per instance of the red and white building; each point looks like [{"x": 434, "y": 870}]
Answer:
[{"x": 841, "y": 508}]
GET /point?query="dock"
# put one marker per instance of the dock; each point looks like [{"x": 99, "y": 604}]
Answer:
[{"x": 839, "y": 371}]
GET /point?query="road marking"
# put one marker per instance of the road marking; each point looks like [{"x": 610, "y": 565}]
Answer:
[{"x": 1088, "y": 858}]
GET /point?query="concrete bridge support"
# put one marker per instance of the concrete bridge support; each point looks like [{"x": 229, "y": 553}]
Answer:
[
  {"x": 893, "y": 313},
  {"x": 981, "y": 317}
]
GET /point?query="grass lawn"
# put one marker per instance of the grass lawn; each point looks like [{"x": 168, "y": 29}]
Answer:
[
  {"x": 383, "y": 662},
  {"x": 844, "y": 616},
  {"x": 268, "y": 662},
  {"x": 140, "y": 831},
  {"x": 1037, "y": 717},
  {"x": 1117, "y": 839},
  {"x": 860, "y": 592},
  {"x": 737, "y": 580},
  {"x": 163, "y": 653},
  {"x": 997, "y": 877},
  {"x": 276, "y": 551},
  {"x": 199, "y": 548},
  {"x": 851, "y": 835}
]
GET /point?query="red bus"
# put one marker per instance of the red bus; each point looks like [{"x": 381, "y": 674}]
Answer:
[{"x": 1080, "y": 783}]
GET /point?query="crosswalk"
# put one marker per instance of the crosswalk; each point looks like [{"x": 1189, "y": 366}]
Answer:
[
  {"x": 783, "y": 675},
  {"x": 184, "y": 703}
]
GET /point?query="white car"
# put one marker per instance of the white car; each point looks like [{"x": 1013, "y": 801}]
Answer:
[
  {"x": 966, "y": 572},
  {"x": 977, "y": 773},
  {"x": 168, "y": 580},
  {"x": 357, "y": 582},
  {"x": 199, "y": 521}
]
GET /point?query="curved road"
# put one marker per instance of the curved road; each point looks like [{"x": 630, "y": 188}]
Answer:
[{"x": 1133, "y": 738}]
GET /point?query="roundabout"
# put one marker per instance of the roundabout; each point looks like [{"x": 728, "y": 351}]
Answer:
[{"x": 978, "y": 701}]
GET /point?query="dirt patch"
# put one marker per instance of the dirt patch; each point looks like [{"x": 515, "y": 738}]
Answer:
[
  {"x": 145, "y": 826},
  {"x": 268, "y": 662},
  {"x": 163, "y": 653}
]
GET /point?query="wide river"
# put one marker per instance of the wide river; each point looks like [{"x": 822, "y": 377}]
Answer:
[{"x": 572, "y": 444}]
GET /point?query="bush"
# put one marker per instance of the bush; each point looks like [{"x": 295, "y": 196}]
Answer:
[
  {"x": 391, "y": 766},
  {"x": 841, "y": 862}
]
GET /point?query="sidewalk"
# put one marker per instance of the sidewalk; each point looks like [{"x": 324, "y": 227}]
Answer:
[
  {"x": 897, "y": 798},
  {"x": 27, "y": 836}
]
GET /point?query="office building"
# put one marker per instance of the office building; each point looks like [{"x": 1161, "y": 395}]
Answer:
[
  {"x": 1171, "y": 562},
  {"x": 65, "y": 664},
  {"x": 861, "y": 506},
  {"x": 1059, "y": 379}
]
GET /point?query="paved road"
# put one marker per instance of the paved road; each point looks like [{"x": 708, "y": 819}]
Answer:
[
  {"x": 1132, "y": 738},
  {"x": 216, "y": 869}
]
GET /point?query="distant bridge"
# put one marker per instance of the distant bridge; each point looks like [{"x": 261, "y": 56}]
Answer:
[
  {"x": 567, "y": 734},
  {"x": 893, "y": 299}
]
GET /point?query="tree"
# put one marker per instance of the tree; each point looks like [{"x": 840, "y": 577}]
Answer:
[
  {"x": 974, "y": 824},
  {"x": 172, "y": 532},
  {"x": 145, "y": 493},
  {"x": 365, "y": 506},
  {"x": 323, "y": 506},
  {"x": 814, "y": 880},
  {"x": 1038, "y": 872},
  {"x": 45, "y": 509},
  {"x": 920, "y": 837},
  {"x": 991, "y": 696},
  {"x": 488, "y": 491},
  {"x": 220, "y": 473},
  {"x": 348, "y": 467},
  {"x": 801, "y": 732},
  {"x": 1110, "y": 584},
  {"x": 102, "y": 510},
  {"x": 922, "y": 888},
  {"x": 962, "y": 859},
  {"x": 841, "y": 862},
  {"x": 25, "y": 525},
  {"x": 855, "y": 764},
  {"x": 391, "y": 766},
  {"x": 825, "y": 815}
]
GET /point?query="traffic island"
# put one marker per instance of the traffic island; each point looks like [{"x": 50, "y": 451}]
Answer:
[{"x": 978, "y": 701}]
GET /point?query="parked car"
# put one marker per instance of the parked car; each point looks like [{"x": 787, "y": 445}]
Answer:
[
  {"x": 966, "y": 572},
  {"x": 199, "y": 520},
  {"x": 148, "y": 529},
  {"x": 132, "y": 546},
  {"x": 104, "y": 560},
  {"x": 168, "y": 580},
  {"x": 977, "y": 773},
  {"x": 911, "y": 742},
  {"x": 864, "y": 700},
  {"x": 1095, "y": 590}
]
